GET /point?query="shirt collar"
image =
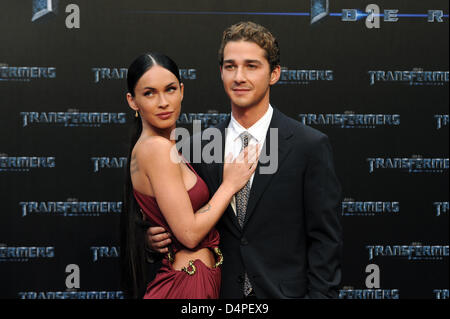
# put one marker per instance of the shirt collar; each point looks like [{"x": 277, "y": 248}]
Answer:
[{"x": 258, "y": 130}]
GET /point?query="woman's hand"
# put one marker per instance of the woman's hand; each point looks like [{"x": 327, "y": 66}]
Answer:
[{"x": 237, "y": 173}]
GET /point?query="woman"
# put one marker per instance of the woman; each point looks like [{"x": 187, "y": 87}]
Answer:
[{"x": 162, "y": 188}]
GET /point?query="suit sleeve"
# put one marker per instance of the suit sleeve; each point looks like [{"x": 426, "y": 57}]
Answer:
[{"x": 322, "y": 198}]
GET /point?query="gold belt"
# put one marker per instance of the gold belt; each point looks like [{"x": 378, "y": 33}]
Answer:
[{"x": 192, "y": 267}]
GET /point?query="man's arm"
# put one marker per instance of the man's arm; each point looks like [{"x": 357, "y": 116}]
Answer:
[{"x": 322, "y": 198}]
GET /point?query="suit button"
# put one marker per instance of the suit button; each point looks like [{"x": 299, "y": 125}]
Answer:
[{"x": 244, "y": 241}]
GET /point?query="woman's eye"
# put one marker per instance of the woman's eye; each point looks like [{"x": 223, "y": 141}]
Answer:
[
  {"x": 148, "y": 93},
  {"x": 171, "y": 89}
]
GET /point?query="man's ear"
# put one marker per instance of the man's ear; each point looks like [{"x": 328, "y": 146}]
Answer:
[
  {"x": 131, "y": 103},
  {"x": 275, "y": 75}
]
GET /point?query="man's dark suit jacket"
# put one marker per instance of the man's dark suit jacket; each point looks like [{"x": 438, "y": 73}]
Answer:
[{"x": 291, "y": 241}]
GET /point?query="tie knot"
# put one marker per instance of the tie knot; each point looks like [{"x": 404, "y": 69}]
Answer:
[{"x": 244, "y": 138}]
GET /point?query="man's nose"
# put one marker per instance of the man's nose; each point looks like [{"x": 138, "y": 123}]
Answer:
[{"x": 239, "y": 76}]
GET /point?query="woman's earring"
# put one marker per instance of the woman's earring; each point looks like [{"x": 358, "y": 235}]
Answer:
[{"x": 136, "y": 115}]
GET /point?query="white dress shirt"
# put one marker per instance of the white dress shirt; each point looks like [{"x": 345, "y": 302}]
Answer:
[{"x": 257, "y": 132}]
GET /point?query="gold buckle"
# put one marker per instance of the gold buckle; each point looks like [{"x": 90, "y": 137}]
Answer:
[
  {"x": 219, "y": 253},
  {"x": 190, "y": 272},
  {"x": 191, "y": 262},
  {"x": 170, "y": 257}
]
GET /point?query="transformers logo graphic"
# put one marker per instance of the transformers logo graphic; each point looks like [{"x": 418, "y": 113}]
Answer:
[
  {"x": 351, "y": 208},
  {"x": 24, "y": 254},
  {"x": 108, "y": 162},
  {"x": 319, "y": 10},
  {"x": 101, "y": 73},
  {"x": 207, "y": 119},
  {"x": 304, "y": 76},
  {"x": 105, "y": 252},
  {"x": 43, "y": 9},
  {"x": 441, "y": 208},
  {"x": 24, "y": 163},
  {"x": 440, "y": 293},
  {"x": 441, "y": 120},
  {"x": 412, "y": 165},
  {"x": 351, "y": 120},
  {"x": 109, "y": 74},
  {"x": 411, "y": 252},
  {"x": 26, "y": 74},
  {"x": 369, "y": 294},
  {"x": 73, "y": 119},
  {"x": 71, "y": 295},
  {"x": 414, "y": 77},
  {"x": 70, "y": 208}
]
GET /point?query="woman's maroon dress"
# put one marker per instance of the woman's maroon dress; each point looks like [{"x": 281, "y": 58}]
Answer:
[{"x": 197, "y": 281}]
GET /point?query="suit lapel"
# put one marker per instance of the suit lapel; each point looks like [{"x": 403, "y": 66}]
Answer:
[{"x": 261, "y": 181}]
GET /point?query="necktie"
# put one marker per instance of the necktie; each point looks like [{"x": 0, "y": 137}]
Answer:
[{"x": 241, "y": 207}]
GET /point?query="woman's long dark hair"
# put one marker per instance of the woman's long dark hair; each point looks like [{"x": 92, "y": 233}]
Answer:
[{"x": 134, "y": 277}]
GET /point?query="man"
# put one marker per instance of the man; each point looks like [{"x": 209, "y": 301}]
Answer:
[{"x": 280, "y": 236}]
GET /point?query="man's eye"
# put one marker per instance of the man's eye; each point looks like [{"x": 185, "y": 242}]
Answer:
[
  {"x": 148, "y": 93},
  {"x": 252, "y": 66},
  {"x": 229, "y": 67},
  {"x": 171, "y": 89}
]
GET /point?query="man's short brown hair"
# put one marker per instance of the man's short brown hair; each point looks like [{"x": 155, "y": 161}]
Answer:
[{"x": 252, "y": 32}]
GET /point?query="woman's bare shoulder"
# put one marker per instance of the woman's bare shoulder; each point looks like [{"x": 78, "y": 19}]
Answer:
[{"x": 155, "y": 151}]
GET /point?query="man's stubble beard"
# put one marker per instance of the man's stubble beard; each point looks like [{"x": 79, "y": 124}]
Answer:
[{"x": 251, "y": 103}]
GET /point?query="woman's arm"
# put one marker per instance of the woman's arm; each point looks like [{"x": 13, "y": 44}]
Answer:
[{"x": 165, "y": 177}]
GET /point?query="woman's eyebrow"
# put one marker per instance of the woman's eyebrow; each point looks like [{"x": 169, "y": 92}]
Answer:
[{"x": 150, "y": 88}]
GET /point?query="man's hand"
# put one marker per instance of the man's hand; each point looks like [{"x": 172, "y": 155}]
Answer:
[{"x": 158, "y": 239}]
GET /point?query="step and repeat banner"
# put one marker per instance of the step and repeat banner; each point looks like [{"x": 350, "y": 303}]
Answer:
[{"x": 372, "y": 75}]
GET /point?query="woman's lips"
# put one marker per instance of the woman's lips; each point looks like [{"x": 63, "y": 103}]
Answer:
[{"x": 164, "y": 115}]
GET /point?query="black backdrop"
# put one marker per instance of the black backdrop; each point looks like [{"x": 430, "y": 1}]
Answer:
[{"x": 64, "y": 130}]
